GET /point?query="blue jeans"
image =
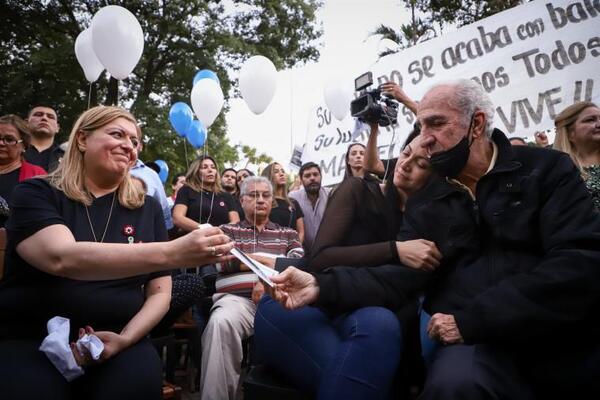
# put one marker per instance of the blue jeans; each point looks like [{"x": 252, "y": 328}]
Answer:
[
  {"x": 428, "y": 346},
  {"x": 351, "y": 356}
]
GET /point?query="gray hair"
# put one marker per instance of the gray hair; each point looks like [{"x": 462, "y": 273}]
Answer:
[
  {"x": 254, "y": 180},
  {"x": 468, "y": 97}
]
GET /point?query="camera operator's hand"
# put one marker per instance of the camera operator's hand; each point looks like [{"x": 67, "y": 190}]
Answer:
[
  {"x": 393, "y": 89},
  {"x": 374, "y": 128}
]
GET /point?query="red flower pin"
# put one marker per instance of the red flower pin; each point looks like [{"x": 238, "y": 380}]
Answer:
[{"x": 128, "y": 230}]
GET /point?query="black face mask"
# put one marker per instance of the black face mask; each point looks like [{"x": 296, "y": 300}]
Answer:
[{"x": 449, "y": 163}]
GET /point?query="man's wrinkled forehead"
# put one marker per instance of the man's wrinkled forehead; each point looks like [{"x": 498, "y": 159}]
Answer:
[
  {"x": 436, "y": 105},
  {"x": 259, "y": 187}
]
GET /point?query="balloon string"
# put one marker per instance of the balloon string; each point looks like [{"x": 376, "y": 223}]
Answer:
[
  {"x": 89, "y": 95},
  {"x": 291, "y": 114},
  {"x": 187, "y": 163},
  {"x": 202, "y": 186}
]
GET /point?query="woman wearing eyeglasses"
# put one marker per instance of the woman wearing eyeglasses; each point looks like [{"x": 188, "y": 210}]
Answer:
[{"x": 14, "y": 140}]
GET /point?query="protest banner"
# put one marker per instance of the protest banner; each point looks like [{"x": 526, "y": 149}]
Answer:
[{"x": 533, "y": 60}]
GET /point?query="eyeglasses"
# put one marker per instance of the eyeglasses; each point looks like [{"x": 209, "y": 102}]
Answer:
[
  {"x": 10, "y": 140},
  {"x": 256, "y": 195}
]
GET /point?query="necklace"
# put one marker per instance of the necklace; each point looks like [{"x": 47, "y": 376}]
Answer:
[
  {"x": 87, "y": 212},
  {"x": 212, "y": 199}
]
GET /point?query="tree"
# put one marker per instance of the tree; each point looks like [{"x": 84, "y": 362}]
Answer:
[
  {"x": 251, "y": 156},
  {"x": 418, "y": 30},
  {"x": 465, "y": 12},
  {"x": 437, "y": 14},
  {"x": 38, "y": 64}
]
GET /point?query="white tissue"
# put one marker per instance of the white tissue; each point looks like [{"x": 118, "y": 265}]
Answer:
[
  {"x": 93, "y": 345},
  {"x": 57, "y": 349}
]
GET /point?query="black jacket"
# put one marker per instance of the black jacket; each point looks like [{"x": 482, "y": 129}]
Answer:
[{"x": 520, "y": 261}]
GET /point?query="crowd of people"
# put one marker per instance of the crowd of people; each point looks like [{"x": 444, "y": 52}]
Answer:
[{"x": 478, "y": 253}]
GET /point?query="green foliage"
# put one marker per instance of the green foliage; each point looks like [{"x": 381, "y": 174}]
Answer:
[
  {"x": 437, "y": 14},
  {"x": 465, "y": 12},
  {"x": 38, "y": 64},
  {"x": 251, "y": 156}
]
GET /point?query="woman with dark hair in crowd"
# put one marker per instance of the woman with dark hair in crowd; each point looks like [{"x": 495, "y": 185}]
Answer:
[
  {"x": 351, "y": 355},
  {"x": 243, "y": 174},
  {"x": 201, "y": 200},
  {"x": 355, "y": 157},
  {"x": 578, "y": 134},
  {"x": 286, "y": 211},
  {"x": 80, "y": 246},
  {"x": 14, "y": 140}
]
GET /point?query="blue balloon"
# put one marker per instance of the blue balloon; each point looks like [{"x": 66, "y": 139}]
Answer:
[
  {"x": 181, "y": 117},
  {"x": 163, "y": 174},
  {"x": 206, "y": 73},
  {"x": 196, "y": 134}
]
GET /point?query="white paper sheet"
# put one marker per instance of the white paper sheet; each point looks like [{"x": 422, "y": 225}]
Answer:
[{"x": 262, "y": 271}]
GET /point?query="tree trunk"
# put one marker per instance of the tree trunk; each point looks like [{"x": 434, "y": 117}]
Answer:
[
  {"x": 94, "y": 95},
  {"x": 113, "y": 92}
]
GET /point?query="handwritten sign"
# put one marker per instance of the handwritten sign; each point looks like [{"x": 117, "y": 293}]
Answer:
[{"x": 533, "y": 60}]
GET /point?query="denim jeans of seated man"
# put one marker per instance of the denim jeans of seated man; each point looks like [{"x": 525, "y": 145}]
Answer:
[{"x": 428, "y": 345}]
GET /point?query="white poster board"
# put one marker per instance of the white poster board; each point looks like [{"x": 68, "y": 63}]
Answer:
[{"x": 533, "y": 60}]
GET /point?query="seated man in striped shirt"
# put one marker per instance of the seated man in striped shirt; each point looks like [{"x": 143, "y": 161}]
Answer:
[{"x": 238, "y": 289}]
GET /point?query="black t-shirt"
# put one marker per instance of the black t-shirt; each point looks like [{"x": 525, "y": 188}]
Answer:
[
  {"x": 238, "y": 206},
  {"x": 42, "y": 158},
  {"x": 215, "y": 206},
  {"x": 30, "y": 297},
  {"x": 286, "y": 215},
  {"x": 8, "y": 183}
]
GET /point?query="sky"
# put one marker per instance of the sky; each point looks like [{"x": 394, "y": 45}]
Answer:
[{"x": 347, "y": 52}]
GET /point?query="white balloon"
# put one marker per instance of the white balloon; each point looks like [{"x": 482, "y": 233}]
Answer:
[
  {"x": 117, "y": 39},
  {"x": 337, "y": 98},
  {"x": 207, "y": 100},
  {"x": 258, "y": 81},
  {"x": 92, "y": 67}
]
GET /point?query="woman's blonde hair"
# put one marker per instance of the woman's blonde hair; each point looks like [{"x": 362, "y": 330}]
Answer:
[
  {"x": 564, "y": 125},
  {"x": 278, "y": 190},
  {"x": 69, "y": 177},
  {"x": 194, "y": 180}
]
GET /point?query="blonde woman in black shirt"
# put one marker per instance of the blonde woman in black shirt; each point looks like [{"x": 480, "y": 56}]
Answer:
[{"x": 88, "y": 245}]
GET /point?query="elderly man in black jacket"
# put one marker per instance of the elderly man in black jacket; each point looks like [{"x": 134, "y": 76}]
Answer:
[{"x": 514, "y": 303}]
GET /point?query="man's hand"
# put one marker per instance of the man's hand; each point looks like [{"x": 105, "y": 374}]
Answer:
[
  {"x": 443, "y": 328},
  {"x": 419, "y": 254},
  {"x": 294, "y": 288},
  {"x": 257, "y": 292}
]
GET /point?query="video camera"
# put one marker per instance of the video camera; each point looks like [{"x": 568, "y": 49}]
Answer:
[{"x": 371, "y": 105}]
